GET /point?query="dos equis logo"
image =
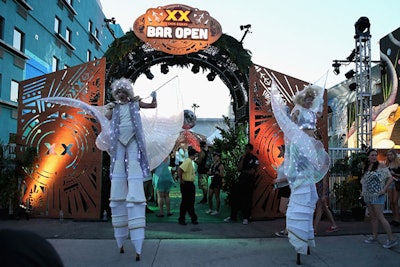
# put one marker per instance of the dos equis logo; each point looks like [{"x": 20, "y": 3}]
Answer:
[{"x": 177, "y": 29}]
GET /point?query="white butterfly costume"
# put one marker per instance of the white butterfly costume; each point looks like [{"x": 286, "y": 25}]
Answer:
[
  {"x": 138, "y": 140},
  {"x": 306, "y": 162}
]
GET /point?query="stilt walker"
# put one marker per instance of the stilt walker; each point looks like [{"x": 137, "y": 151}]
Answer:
[
  {"x": 306, "y": 162},
  {"x": 129, "y": 164},
  {"x": 136, "y": 143}
]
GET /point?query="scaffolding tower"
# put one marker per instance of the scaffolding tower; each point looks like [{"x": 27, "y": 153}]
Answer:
[{"x": 362, "y": 58}]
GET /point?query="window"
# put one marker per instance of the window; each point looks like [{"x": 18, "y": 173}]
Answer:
[
  {"x": 96, "y": 33},
  {"x": 57, "y": 25},
  {"x": 24, "y": 4},
  {"x": 54, "y": 66},
  {"x": 14, "y": 91},
  {"x": 90, "y": 26},
  {"x": 68, "y": 35},
  {"x": 89, "y": 55},
  {"x": 69, "y": 5},
  {"x": 1, "y": 28},
  {"x": 18, "y": 41}
]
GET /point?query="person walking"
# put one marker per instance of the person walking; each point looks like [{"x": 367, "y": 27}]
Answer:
[
  {"x": 186, "y": 175},
  {"x": 202, "y": 170},
  {"x": 375, "y": 180},
  {"x": 241, "y": 196},
  {"x": 127, "y": 171},
  {"x": 217, "y": 173},
  {"x": 322, "y": 207},
  {"x": 164, "y": 184},
  {"x": 281, "y": 184},
  {"x": 306, "y": 161},
  {"x": 393, "y": 163}
]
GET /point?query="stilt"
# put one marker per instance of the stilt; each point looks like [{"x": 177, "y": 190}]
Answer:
[{"x": 298, "y": 261}]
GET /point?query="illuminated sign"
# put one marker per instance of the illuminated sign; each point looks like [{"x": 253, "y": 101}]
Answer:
[{"x": 177, "y": 29}]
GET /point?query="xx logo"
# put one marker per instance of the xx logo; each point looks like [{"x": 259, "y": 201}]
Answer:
[
  {"x": 182, "y": 15},
  {"x": 51, "y": 149}
]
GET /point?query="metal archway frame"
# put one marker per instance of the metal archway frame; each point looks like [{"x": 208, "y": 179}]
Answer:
[{"x": 130, "y": 57}]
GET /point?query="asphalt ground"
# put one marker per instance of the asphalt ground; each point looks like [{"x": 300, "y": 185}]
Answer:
[
  {"x": 210, "y": 243},
  {"x": 91, "y": 243}
]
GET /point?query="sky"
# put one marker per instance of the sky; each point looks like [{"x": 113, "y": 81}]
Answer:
[{"x": 298, "y": 38}]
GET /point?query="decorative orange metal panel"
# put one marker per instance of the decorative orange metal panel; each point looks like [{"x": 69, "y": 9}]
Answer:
[
  {"x": 68, "y": 170},
  {"x": 266, "y": 136}
]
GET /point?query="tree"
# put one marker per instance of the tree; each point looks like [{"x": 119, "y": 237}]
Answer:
[
  {"x": 231, "y": 146},
  {"x": 12, "y": 171}
]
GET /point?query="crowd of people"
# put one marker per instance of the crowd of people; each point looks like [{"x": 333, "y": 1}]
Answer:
[
  {"x": 301, "y": 182},
  {"x": 304, "y": 173},
  {"x": 210, "y": 179}
]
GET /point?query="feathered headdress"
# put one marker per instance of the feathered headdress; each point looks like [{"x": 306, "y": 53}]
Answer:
[
  {"x": 123, "y": 84},
  {"x": 315, "y": 92},
  {"x": 311, "y": 91}
]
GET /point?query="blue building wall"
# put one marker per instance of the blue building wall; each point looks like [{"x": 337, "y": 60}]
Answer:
[{"x": 36, "y": 20}]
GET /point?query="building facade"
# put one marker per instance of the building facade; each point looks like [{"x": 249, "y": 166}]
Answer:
[{"x": 39, "y": 37}]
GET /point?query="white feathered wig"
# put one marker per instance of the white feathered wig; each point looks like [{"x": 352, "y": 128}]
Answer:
[
  {"x": 309, "y": 91},
  {"x": 123, "y": 84}
]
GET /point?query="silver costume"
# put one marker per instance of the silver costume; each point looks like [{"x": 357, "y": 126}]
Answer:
[{"x": 306, "y": 162}]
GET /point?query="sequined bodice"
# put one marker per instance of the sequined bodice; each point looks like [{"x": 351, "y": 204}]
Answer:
[{"x": 307, "y": 119}]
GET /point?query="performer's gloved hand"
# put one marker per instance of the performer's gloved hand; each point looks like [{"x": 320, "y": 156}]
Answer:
[
  {"x": 153, "y": 94},
  {"x": 110, "y": 105}
]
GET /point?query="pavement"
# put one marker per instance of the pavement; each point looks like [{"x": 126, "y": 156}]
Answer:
[{"x": 91, "y": 243}]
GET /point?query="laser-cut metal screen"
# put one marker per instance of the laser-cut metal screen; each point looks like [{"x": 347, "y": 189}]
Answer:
[
  {"x": 68, "y": 170},
  {"x": 266, "y": 136}
]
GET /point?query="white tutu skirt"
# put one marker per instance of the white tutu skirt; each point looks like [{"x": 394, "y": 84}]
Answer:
[{"x": 299, "y": 217}]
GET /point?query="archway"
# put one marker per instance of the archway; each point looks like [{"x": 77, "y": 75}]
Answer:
[{"x": 130, "y": 57}]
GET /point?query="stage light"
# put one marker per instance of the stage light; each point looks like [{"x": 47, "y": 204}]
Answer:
[
  {"x": 164, "y": 68},
  {"x": 211, "y": 76},
  {"x": 352, "y": 55},
  {"x": 353, "y": 86},
  {"x": 148, "y": 74},
  {"x": 350, "y": 74},
  {"x": 362, "y": 27},
  {"x": 112, "y": 20},
  {"x": 195, "y": 69},
  {"x": 242, "y": 27},
  {"x": 336, "y": 67},
  {"x": 247, "y": 28}
]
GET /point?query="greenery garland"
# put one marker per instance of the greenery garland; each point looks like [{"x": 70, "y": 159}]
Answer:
[{"x": 228, "y": 45}]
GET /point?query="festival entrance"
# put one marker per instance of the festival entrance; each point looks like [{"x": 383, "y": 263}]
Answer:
[{"x": 69, "y": 173}]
